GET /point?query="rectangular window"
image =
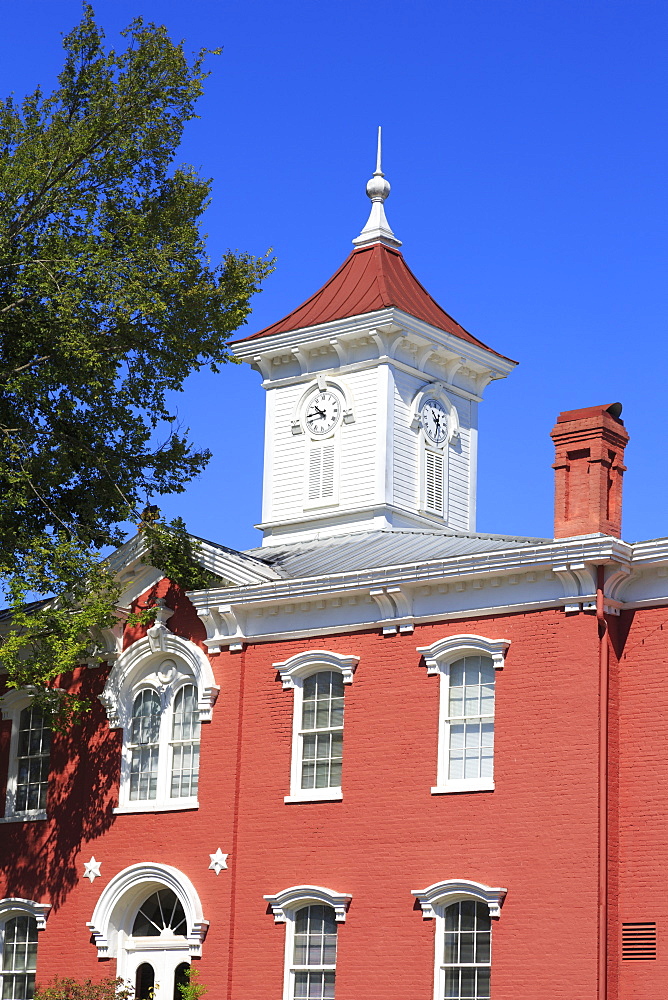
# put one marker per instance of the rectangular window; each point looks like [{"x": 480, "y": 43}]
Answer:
[{"x": 32, "y": 757}]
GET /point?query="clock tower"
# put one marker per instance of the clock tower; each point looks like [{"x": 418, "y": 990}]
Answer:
[{"x": 372, "y": 400}]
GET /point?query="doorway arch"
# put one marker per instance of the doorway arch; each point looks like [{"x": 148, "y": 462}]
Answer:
[{"x": 149, "y": 917}]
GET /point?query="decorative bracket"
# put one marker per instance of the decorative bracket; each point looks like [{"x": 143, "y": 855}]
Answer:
[{"x": 223, "y": 630}]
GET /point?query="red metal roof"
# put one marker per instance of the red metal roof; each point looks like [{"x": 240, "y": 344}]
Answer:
[{"x": 372, "y": 278}]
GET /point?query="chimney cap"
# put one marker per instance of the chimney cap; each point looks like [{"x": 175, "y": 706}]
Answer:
[{"x": 613, "y": 409}]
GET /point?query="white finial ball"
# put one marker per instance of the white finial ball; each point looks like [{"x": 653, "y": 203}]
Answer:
[{"x": 378, "y": 188}]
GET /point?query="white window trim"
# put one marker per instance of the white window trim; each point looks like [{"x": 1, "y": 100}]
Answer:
[
  {"x": 12, "y": 704},
  {"x": 14, "y": 906},
  {"x": 138, "y": 668},
  {"x": 438, "y": 658},
  {"x": 435, "y": 899},
  {"x": 293, "y": 672},
  {"x": 116, "y": 908},
  {"x": 284, "y": 906}
]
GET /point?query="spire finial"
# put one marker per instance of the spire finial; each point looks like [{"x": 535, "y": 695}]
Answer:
[{"x": 377, "y": 229}]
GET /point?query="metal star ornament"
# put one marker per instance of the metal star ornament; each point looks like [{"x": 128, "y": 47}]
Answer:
[
  {"x": 92, "y": 869},
  {"x": 218, "y": 861}
]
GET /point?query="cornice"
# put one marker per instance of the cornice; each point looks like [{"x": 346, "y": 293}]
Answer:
[{"x": 394, "y": 599}]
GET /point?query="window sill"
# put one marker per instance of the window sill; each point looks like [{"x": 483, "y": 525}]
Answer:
[
  {"x": 316, "y": 795},
  {"x": 482, "y": 785},
  {"x": 27, "y": 817},
  {"x": 156, "y": 806}
]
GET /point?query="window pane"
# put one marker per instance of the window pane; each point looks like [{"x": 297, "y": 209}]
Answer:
[
  {"x": 471, "y": 742},
  {"x": 34, "y": 748},
  {"x": 322, "y": 710},
  {"x": 466, "y": 951},
  {"x": 161, "y": 912},
  {"x": 19, "y": 958},
  {"x": 315, "y": 947}
]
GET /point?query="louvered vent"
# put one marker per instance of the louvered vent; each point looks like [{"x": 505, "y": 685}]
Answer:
[
  {"x": 321, "y": 472},
  {"x": 434, "y": 482},
  {"x": 638, "y": 942}
]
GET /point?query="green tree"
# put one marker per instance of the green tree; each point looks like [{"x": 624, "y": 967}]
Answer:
[{"x": 108, "y": 301}]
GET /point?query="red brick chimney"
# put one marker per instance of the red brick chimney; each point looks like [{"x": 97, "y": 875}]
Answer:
[{"x": 589, "y": 466}]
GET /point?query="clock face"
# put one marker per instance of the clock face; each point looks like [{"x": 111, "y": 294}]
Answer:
[
  {"x": 434, "y": 420},
  {"x": 322, "y": 413}
]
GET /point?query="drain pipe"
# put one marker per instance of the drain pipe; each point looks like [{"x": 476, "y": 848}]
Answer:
[{"x": 603, "y": 665}]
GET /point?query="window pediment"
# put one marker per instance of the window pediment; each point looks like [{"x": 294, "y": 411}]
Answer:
[
  {"x": 294, "y": 898},
  {"x": 453, "y": 647},
  {"x": 312, "y": 660},
  {"x": 441, "y": 894}
]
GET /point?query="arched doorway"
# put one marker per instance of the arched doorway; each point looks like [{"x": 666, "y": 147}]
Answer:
[
  {"x": 149, "y": 917},
  {"x": 156, "y": 952}
]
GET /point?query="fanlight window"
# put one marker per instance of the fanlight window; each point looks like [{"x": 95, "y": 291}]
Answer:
[
  {"x": 160, "y": 915},
  {"x": 19, "y": 958}
]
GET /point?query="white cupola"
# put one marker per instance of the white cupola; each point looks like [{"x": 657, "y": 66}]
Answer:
[{"x": 372, "y": 399}]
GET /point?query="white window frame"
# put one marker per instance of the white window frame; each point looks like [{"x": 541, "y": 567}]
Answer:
[
  {"x": 434, "y": 901},
  {"x": 293, "y": 672},
  {"x": 285, "y": 905},
  {"x": 438, "y": 659},
  {"x": 12, "y": 704},
  {"x": 164, "y": 670},
  {"x": 14, "y": 906}
]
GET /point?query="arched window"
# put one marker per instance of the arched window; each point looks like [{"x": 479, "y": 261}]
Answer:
[
  {"x": 18, "y": 937},
  {"x": 29, "y": 756},
  {"x": 464, "y": 911},
  {"x": 144, "y": 745},
  {"x": 318, "y": 678},
  {"x": 467, "y": 666},
  {"x": 313, "y": 968},
  {"x": 185, "y": 743},
  {"x": 160, "y": 914},
  {"x": 311, "y": 915},
  {"x": 470, "y": 720},
  {"x": 467, "y": 950},
  {"x": 322, "y": 730},
  {"x": 160, "y": 691}
]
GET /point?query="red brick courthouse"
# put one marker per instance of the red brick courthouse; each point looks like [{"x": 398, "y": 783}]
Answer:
[{"x": 388, "y": 756}]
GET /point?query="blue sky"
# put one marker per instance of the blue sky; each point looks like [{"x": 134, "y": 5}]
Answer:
[{"x": 525, "y": 141}]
